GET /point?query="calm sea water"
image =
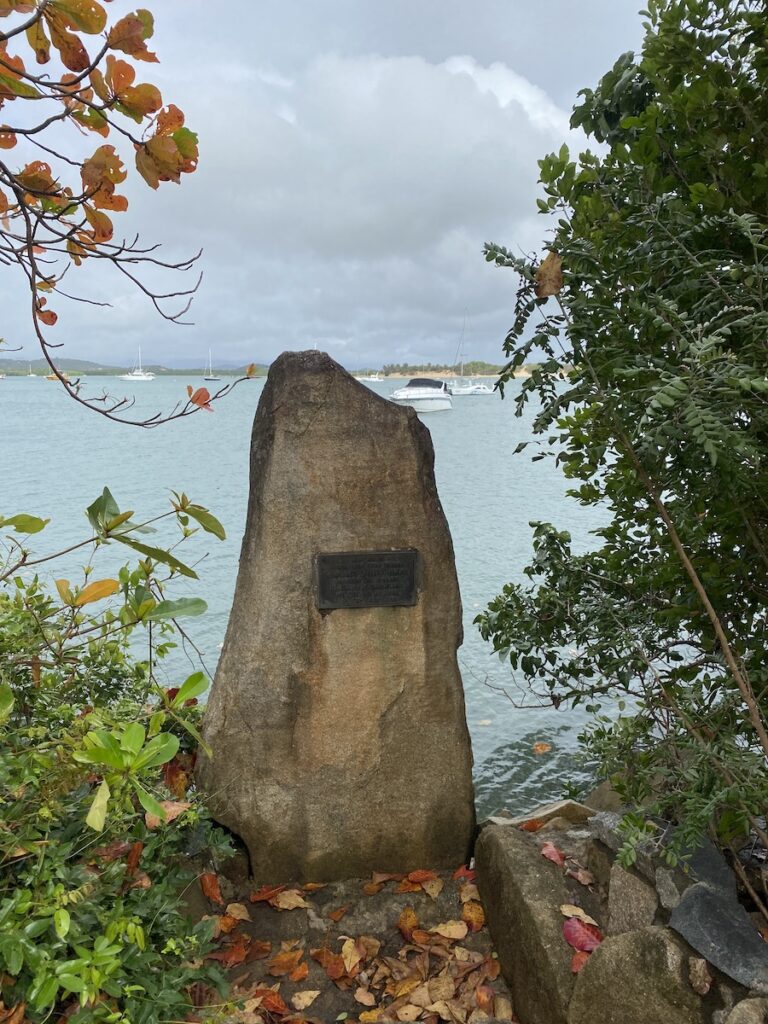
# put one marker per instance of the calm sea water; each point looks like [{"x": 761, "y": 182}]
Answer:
[{"x": 56, "y": 457}]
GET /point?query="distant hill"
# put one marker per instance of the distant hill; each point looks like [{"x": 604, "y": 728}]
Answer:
[{"x": 21, "y": 367}]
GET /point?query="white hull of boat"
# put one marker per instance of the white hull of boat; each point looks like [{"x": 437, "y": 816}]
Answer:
[
  {"x": 424, "y": 403},
  {"x": 137, "y": 376},
  {"x": 470, "y": 389}
]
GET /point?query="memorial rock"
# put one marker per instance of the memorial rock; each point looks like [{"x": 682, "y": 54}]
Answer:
[{"x": 336, "y": 720}]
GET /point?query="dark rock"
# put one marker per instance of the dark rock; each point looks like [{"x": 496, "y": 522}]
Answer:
[
  {"x": 339, "y": 740},
  {"x": 639, "y": 977},
  {"x": 522, "y": 892},
  {"x": 715, "y": 924},
  {"x": 599, "y": 861},
  {"x": 632, "y": 902}
]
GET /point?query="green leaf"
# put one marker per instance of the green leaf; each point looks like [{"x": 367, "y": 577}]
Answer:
[
  {"x": 158, "y": 751},
  {"x": 184, "y": 606},
  {"x": 6, "y": 702},
  {"x": 133, "y": 738},
  {"x": 148, "y": 802},
  {"x": 158, "y": 555},
  {"x": 24, "y": 524},
  {"x": 208, "y": 522},
  {"x": 98, "y": 813},
  {"x": 62, "y": 921},
  {"x": 102, "y": 510},
  {"x": 19, "y": 88},
  {"x": 191, "y": 687}
]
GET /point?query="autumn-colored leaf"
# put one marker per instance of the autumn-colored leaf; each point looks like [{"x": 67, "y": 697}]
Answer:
[
  {"x": 421, "y": 876},
  {"x": 549, "y": 276},
  {"x": 570, "y": 910},
  {"x": 332, "y": 963},
  {"x": 269, "y": 1000},
  {"x": 473, "y": 914},
  {"x": 433, "y": 887},
  {"x": 232, "y": 954},
  {"x": 114, "y": 851},
  {"x": 265, "y": 893},
  {"x": 300, "y": 973},
  {"x": 301, "y": 1000},
  {"x": 408, "y": 886},
  {"x": 551, "y": 852},
  {"x": 250, "y": 370},
  {"x": 351, "y": 956},
  {"x": 259, "y": 950},
  {"x": 96, "y": 591},
  {"x": 209, "y": 883},
  {"x": 468, "y": 891},
  {"x": 201, "y": 398},
  {"x": 314, "y": 886},
  {"x": 578, "y": 960},
  {"x": 464, "y": 872},
  {"x": 581, "y": 935},
  {"x": 336, "y": 915},
  {"x": 371, "y": 888},
  {"x": 484, "y": 996},
  {"x": 407, "y": 922},
  {"x": 169, "y": 120},
  {"x": 141, "y": 880},
  {"x": 14, "y": 1014},
  {"x": 364, "y": 996},
  {"x": 289, "y": 899},
  {"x": 541, "y": 748},
  {"x": 134, "y": 857},
  {"x": 176, "y": 776},
  {"x": 82, "y": 15},
  {"x": 8, "y": 140},
  {"x": 284, "y": 963},
  {"x": 582, "y": 876},
  {"x": 47, "y": 316},
  {"x": 533, "y": 825},
  {"x": 451, "y": 929},
  {"x": 239, "y": 911},
  {"x": 130, "y": 33},
  {"x": 172, "y": 808},
  {"x": 226, "y": 924}
]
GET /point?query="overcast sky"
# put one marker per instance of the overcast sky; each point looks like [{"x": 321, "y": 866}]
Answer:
[{"x": 355, "y": 155}]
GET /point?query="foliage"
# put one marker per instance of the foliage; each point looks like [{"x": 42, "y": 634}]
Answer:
[
  {"x": 473, "y": 367},
  {"x": 58, "y": 199},
  {"x": 95, "y": 761},
  {"x": 650, "y": 310}
]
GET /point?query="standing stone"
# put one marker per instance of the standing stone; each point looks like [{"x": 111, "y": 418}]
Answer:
[{"x": 338, "y": 737}]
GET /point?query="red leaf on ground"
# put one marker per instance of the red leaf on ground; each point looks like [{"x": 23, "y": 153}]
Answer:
[
  {"x": 112, "y": 852},
  {"x": 580, "y": 957},
  {"x": 234, "y": 953},
  {"x": 271, "y": 1001},
  {"x": 300, "y": 972},
  {"x": 552, "y": 853},
  {"x": 266, "y": 892},
  {"x": 533, "y": 825},
  {"x": 464, "y": 872},
  {"x": 332, "y": 963},
  {"x": 421, "y": 876},
  {"x": 582, "y": 936},
  {"x": 133, "y": 858},
  {"x": 209, "y": 883}
]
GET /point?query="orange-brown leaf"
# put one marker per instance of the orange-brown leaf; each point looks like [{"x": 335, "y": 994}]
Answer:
[
  {"x": 408, "y": 886},
  {"x": 284, "y": 963},
  {"x": 266, "y": 892},
  {"x": 168, "y": 120},
  {"x": 299, "y": 973},
  {"x": 371, "y": 888},
  {"x": 336, "y": 915},
  {"x": 541, "y": 748},
  {"x": 259, "y": 950},
  {"x": 580, "y": 957},
  {"x": 533, "y": 825},
  {"x": 464, "y": 872},
  {"x": 421, "y": 876},
  {"x": 407, "y": 922},
  {"x": 235, "y": 953},
  {"x": 201, "y": 398},
  {"x": 209, "y": 883},
  {"x": 130, "y": 34},
  {"x": 549, "y": 276},
  {"x": 473, "y": 914},
  {"x": 551, "y": 852},
  {"x": 134, "y": 857}
]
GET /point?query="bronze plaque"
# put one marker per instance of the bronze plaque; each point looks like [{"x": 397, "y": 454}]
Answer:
[{"x": 366, "y": 579}]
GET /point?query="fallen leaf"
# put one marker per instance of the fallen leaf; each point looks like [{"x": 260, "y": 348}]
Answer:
[
  {"x": 408, "y": 886},
  {"x": 172, "y": 808},
  {"x": 541, "y": 748},
  {"x": 422, "y": 937},
  {"x": 699, "y": 975},
  {"x": 580, "y": 935},
  {"x": 351, "y": 956},
  {"x": 371, "y": 888},
  {"x": 464, "y": 872},
  {"x": 301, "y": 1000},
  {"x": 226, "y": 924},
  {"x": 141, "y": 880},
  {"x": 409, "y": 1012},
  {"x": 284, "y": 963},
  {"x": 259, "y": 950},
  {"x": 289, "y": 899},
  {"x": 549, "y": 276},
  {"x": 134, "y": 857},
  {"x": 451, "y": 929},
  {"x": 234, "y": 953},
  {"x": 468, "y": 891},
  {"x": 336, "y": 915},
  {"x": 552, "y": 853},
  {"x": 407, "y": 922},
  {"x": 369, "y": 946},
  {"x": 299, "y": 973},
  {"x": 362, "y": 995},
  {"x": 433, "y": 887},
  {"x": 209, "y": 883},
  {"x": 370, "y": 1016},
  {"x": 386, "y": 876},
  {"x": 332, "y": 963},
  {"x": 580, "y": 957},
  {"x": 484, "y": 997},
  {"x": 266, "y": 892},
  {"x": 314, "y": 886},
  {"x": 584, "y": 877},
  {"x": 472, "y": 914},
  {"x": 421, "y": 876},
  {"x": 570, "y": 910},
  {"x": 533, "y": 825},
  {"x": 269, "y": 1000},
  {"x": 112, "y": 852},
  {"x": 502, "y": 1008},
  {"x": 239, "y": 911}
]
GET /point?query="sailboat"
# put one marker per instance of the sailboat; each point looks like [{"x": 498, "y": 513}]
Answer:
[
  {"x": 208, "y": 373},
  {"x": 137, "y": 373},
  {"x": 31, "y": 374},
  {"x": 462, "y": 386}
]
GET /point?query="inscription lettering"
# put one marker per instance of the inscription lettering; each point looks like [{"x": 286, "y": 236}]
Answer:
[{"x": 366, "y": 579}]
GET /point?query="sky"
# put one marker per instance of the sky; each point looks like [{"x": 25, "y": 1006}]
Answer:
[{"x": 354, "y": 157}]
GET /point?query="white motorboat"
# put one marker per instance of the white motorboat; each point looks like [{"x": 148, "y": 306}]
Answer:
[
  {"x": 424, "y": 395},
  {"x": 137, "y": 373},
  {"x": 374, "y": 376},
  {"x": 208, "y": 373},
  {"x": 468, "y": 387}
]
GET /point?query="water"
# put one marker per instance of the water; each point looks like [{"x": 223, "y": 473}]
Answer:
[{"x": 56, "y": 457}]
